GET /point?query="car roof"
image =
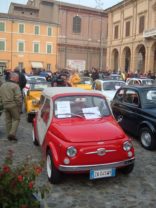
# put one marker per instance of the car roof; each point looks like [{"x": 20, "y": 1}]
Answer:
[
  {"x": 139, "y": 87},
  {"x": 109, "y": 80},
  {"x": 141, "y": 78},
  {"x": 52, "y": 91}
]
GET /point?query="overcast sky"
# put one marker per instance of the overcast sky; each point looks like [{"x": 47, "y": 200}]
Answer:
[{"x": 4, "y": 4}]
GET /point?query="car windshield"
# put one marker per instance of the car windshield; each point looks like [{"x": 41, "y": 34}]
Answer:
[
  {"x": 39, "y": 86},
  {"x": 149, "y": 97},
  {"x": 148, "y": 82},
  {"x": 88, "y": 107},
  {"x": 112, "y": 85},
  {"x": 36, "y": 79}
]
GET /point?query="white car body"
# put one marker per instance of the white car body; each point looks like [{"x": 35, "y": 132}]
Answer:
[
  {"x": 139, "y": 81},
  {"x": 108, "y": 87}
]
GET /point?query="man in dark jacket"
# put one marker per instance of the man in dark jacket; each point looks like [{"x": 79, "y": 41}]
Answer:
[{"x": 22, "y": 79}]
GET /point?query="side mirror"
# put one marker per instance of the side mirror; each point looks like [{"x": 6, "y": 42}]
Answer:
[{"x": 119, "y": 118}]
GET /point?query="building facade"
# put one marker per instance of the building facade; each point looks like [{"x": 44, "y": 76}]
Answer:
[
  {"x": 83, "y": 37},
  {"x": 78, "y": 36},
  {"x": 26, "y": 40},
  {"x": 132, "y": 36}
]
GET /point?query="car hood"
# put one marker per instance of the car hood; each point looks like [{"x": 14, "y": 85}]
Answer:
[{"x": 91, "y": 131}]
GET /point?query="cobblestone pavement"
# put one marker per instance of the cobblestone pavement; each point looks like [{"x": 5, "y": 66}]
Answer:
[{"x": 138, "y": 190}]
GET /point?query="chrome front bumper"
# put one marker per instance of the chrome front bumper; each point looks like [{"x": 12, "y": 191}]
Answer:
[{"x": 75, "y": 168}]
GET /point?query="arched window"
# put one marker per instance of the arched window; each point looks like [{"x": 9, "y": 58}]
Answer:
[{"x": 76, "y": 24}]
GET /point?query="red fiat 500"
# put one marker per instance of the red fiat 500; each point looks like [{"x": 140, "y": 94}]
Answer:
[{"x": 78, "y": 133}]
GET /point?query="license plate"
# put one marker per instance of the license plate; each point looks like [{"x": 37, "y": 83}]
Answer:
[{"x": 102, "y": 173}]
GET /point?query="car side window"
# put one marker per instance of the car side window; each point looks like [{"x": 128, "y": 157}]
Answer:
[
  {"x": 131, "y": 97},
  {"x": 130, "y": 82},
  {"x": 45, "y": 112},
  {"x": 119, "y": 96}
]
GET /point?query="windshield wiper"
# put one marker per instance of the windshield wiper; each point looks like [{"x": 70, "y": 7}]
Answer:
[{"x": 67, "y": 114}]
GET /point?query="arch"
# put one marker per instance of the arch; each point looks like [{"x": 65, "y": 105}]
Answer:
[
  {"x": 126, "y": 57},
  {"x": 140, "y": 54},
  {"x": 115, "y": 60}
]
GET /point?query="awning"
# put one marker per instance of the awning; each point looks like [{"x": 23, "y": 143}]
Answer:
[{"x": 37, "y": 65}]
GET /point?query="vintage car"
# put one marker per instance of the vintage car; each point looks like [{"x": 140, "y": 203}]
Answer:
[
  {"x": 140, "y": 81},
  {"x": 86, "y": 83},
  {"x": 135, "y": 109},
  {"x": 108, "y": 87},
  {"x": 32, "y": 98},
  {"x": 78, "y": 134},
  {"x": 32, "y": 79}
]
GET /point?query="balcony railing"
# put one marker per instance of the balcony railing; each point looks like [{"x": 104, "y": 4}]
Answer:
[{"x": 150, "y": 33}]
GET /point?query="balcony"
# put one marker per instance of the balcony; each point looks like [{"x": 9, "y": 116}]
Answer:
[{"x": 150, "y": 33}]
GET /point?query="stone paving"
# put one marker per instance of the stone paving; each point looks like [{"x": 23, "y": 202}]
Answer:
[{"x": 138, "y": 190}]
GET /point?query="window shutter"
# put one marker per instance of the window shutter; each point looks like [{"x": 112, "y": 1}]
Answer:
[
  {"x": 141, "y": 24},
  {"x": 127, "y": 28},
  {"x": 2, "y": 26},
  {"x": 2, "y": 45}
]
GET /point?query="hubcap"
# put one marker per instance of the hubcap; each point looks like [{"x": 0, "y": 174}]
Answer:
[
  {"x": 49, "y": 170},
  {"x": 146, "y": 139}
]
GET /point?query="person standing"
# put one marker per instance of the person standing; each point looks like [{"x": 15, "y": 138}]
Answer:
[
  {"x": 74, "y": 78},
  {"x": 11, "y": 98}
]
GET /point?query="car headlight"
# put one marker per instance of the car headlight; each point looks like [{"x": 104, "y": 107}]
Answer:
[
  {"x": 35, "y": 102},
  {"x": 127, "y": 146},
  {"x": 71, "y": 151}
]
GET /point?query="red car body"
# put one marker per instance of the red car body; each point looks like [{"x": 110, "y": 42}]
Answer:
[{"x": 80, "y": 144}]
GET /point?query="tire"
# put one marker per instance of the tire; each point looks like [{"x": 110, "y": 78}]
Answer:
[
  {"x": 34, "y": 138},
  {"x": 54, "y": 176},
  {"x": 128, "y": 169},
  {"x": 147, "y": 139}
]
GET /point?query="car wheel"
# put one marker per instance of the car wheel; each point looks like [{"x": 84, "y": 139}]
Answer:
[
  {"x": 34, "y": 138},
  {"x": 29, "y": 118},
  {"x": 128, "y": 169},
  {"x": 54, "y": 175},
  {"x": 147, "y": 139}
]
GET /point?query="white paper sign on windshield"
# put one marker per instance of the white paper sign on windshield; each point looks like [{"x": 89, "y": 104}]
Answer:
[
  {"x": 63, "y": 109},
  {"x": 91, "y": 113}
]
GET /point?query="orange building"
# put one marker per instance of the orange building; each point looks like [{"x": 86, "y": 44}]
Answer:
[{"x": 27, "y": 42}]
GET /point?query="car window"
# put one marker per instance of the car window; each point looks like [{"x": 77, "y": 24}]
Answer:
[
  {"x": 130, "y": 82},
  {"x": 131, "y": 97},
  {"x": 119, "y": 96},
  {"x": 148, "y": 82},
  {"x": 45, "y": 112},
  {"x": 39, "y": 86},
  {"x": 81, "y": 106},
  {"x": 112, "y": 85},
  {"x": 149, "y": 97}
]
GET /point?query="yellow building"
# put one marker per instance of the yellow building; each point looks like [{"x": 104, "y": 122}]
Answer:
[
  {"x": 27, "y": 42},
  {"x": 132, "y": 36}
]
